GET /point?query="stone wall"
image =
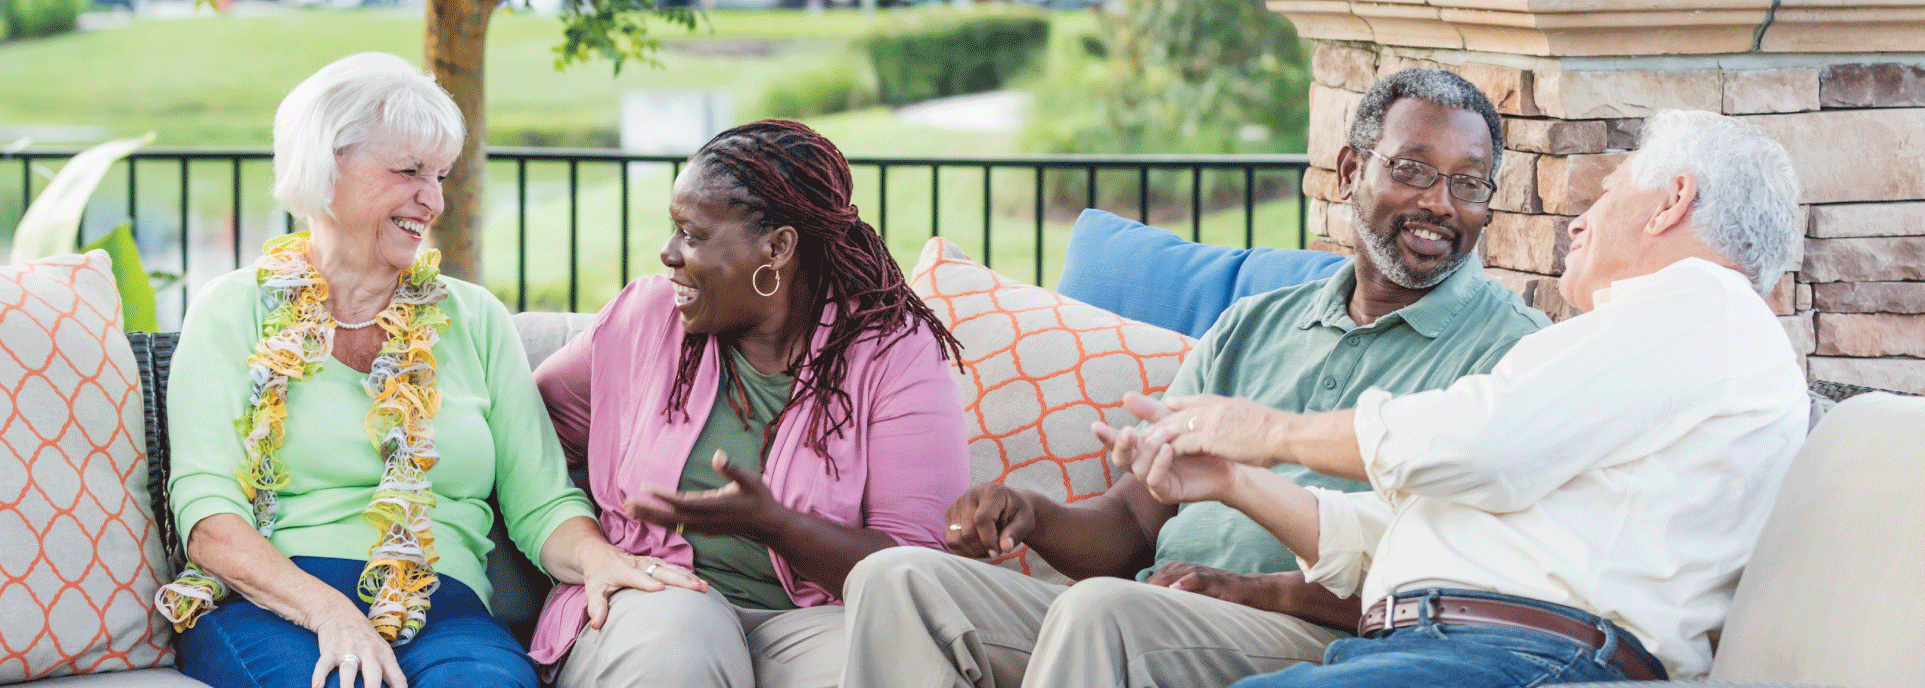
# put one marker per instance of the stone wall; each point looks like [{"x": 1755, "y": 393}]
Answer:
[{"x": 1854, "y": 303}]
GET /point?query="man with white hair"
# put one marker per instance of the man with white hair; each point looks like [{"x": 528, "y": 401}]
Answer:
[{"x": 1580, "y": 513}]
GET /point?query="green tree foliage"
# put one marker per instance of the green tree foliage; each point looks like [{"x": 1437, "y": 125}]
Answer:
[
  {"x": 1177, "y": 76},
  {"x": 617, "y": 30}
]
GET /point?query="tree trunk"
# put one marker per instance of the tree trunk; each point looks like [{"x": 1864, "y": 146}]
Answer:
[{"x": 455, "y": 50}]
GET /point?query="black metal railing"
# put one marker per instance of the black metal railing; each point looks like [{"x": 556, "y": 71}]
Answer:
[{"x": 201, "y": 226}]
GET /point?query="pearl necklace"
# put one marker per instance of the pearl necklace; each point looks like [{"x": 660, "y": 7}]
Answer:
[{"x": 355, "y": 326}]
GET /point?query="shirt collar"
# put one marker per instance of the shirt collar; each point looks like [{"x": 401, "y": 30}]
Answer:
[
  {"x": 1632, "y": 285},
  {"x": 1428, "y": 316}
]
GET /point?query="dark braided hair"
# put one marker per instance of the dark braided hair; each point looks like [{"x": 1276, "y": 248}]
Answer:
[{"x": 786, "y": 174}]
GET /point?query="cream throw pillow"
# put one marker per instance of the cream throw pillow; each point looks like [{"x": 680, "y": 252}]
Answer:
[
  {"x": 1040, "y": 368},
  {"x": 80, "y": 565}
]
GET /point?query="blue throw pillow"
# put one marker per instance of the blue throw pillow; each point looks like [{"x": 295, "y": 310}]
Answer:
[{"x": 1148, "y": 274}]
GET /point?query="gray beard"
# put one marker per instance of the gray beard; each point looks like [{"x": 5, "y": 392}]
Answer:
[{"x": 1389, "y": 260}]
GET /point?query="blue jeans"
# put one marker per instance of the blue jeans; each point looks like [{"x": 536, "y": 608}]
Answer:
[
  {"x": 1428, "y": 654},
  {"x": 241, "y": 645}
]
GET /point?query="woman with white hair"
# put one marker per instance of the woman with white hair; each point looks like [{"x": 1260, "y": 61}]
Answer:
[{"x": 341, "y": 412}]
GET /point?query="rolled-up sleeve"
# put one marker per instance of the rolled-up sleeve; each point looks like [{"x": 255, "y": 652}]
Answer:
[{"x": 1349, "y": 525}]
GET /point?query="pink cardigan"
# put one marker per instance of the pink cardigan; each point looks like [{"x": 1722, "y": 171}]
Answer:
[{"x": 901, "y": 462}]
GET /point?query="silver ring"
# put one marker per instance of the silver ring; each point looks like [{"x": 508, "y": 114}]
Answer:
[
  {"x": 650, "y": 571},
  {"x": 1192, "y": 425},
  {"x": 955, "y": 526},
  {"x": 350, "y": 660}
]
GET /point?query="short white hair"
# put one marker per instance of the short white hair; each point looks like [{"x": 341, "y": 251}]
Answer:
[
  {"x": 349, "y": 102},
  {"x": 1747, "y": 205}
]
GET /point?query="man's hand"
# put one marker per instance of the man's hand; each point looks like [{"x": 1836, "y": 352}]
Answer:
[
  {"x": 989, "y": 520},
  {"x": 1284, "y": 593},
  {"x": 1230, "y": 428},
  {"x": 1261, "y": 591},
  {"x": 1170, "y": 478}
]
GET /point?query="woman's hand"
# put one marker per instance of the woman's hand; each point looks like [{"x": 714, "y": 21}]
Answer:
[
  {"x": 744, "y": 507},
  {"x": 607, "y": 569},
  {"x": 350, "y": 645}
]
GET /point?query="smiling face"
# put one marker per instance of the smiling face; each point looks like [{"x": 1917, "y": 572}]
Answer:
[
  {"x": 386, "y": 194},
  {"x": 714, "y": 251},
  {"x": 1413, "y": 237},
  {"x": 1610, "y": 241}
]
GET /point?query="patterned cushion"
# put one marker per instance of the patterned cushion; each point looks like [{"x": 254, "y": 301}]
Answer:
[
  {"x": 1041, "y": 368},
  {"x": 78, "y": 574}
]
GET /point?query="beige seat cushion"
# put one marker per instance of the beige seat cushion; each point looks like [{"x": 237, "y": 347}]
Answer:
[
  {"x": 1832, "y": 595},
  {"x": 145, "y": 678}
]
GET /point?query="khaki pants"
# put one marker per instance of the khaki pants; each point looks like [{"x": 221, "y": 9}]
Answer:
[
  {"x": 919, "y": 618},
  {"x": 686, "y": 639}
]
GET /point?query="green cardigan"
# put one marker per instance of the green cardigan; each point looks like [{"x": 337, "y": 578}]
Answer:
[{"x": 492, "y": 433}]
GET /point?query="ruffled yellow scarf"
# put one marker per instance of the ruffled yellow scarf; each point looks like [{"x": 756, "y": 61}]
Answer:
[{"x": 296, "y": 339}]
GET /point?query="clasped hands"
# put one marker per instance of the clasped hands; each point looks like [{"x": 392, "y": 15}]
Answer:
[{"x": 1196, "y": 447}]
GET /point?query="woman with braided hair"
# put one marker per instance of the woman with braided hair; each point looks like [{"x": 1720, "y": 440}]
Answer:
[
  {"x": 765, "y": 415},
  {"x": 340, "y": 413}
]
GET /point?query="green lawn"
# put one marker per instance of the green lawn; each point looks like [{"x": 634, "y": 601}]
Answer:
[{"x": 136, "y": 78}]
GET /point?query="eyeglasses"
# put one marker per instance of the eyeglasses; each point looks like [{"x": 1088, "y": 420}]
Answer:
[{"x": 1422, "y": 175}]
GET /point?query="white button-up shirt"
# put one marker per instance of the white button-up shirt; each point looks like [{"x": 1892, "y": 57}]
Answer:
[{"x": 1621, "y": 462}]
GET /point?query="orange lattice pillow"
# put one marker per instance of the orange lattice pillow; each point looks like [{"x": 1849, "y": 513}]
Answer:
[
  {"x": 79, "y": 568},
  {"x": 1040, "y": 368}
]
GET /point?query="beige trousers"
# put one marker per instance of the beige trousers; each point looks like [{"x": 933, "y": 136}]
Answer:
[
  {"x": 919, "y": 618},
  {"x": 687, "y": 639}
]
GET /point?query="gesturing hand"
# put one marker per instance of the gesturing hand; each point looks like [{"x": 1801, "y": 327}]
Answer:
[
  {"x": 744, "y": 507},
  {"x": 349, "y": 644},
  {"x": 989, "y": 520}
]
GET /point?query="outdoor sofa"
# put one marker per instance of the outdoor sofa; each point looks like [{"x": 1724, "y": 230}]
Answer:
[{"x": 1830, "y": 598}]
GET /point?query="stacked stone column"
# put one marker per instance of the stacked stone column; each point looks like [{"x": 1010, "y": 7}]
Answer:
[{"x": 1853, "y": 303}]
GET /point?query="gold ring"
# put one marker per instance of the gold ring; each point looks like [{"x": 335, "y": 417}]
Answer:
[{"x": 678, "y": 529}]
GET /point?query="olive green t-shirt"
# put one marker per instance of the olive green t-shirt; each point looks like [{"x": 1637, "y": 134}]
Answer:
[
  {"x": 737, "y": 567},
  {"x": 1296, "y": 349}
]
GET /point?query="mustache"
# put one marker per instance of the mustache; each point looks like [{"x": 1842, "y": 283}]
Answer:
[{"x": 1402, "y": 222}]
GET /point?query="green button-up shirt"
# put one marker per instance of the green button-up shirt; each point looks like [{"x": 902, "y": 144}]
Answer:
[{"x": 1296, "y": 349}]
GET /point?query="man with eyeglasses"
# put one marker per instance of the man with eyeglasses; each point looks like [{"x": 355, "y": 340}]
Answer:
[
  {"x": 1580, "y": 513},
  {"x": 1220, "y": 597}
]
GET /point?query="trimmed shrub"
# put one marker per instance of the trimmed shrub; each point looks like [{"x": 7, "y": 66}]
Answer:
[
  {"x": 935, "y": 54},
  {"x": 34, "y": 18},
  {"x": 840, "y": 87}
]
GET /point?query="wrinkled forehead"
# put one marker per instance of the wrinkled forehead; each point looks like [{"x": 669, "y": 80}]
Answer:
[{"x": 1442, "y": 135}]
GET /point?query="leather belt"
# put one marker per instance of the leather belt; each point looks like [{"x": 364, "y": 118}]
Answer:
[{"x": 1487, "y": 612}]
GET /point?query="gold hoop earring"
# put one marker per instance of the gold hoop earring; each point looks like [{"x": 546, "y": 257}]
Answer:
[{"x": 755, "y": 278}]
